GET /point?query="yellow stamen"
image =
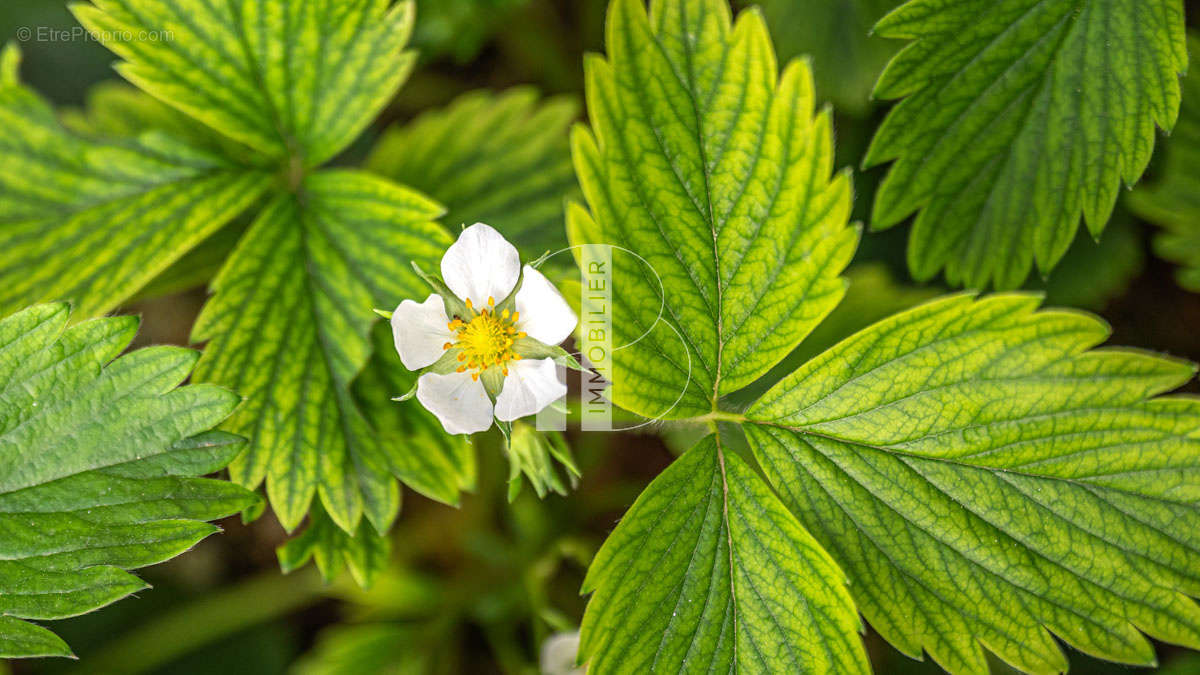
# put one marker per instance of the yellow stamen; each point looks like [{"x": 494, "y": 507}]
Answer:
[
  {"x": 469, "y": 305},
  {"x": 484, "y": 339},
  {"x": 448, "y": 345}
]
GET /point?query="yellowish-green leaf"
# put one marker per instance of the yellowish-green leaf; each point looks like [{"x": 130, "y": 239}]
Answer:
[
  {"x": 712, "y": 167},
  {"x": 987, "y": 480},
  {"x": 501, "y": 159},
  {"x": 288, "y": 328},
  {"x": 429, "y": 460},
  {"x": 709, "y": 572},
  {"x": 285, "y": 78},
  {"x": 365, "y": 553},
  {"x": 93, "y": 222}
]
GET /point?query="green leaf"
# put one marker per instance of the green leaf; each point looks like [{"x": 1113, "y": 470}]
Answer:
[
  {"x": 872, "y": 295},
  {"x": 93, "y": 222},
  {"x": 365, "y": 553},
  {"x": 99, "y": 458},
  {"x": 709, "y": 571},
  {"x": 393, "y": 648},
  {"x": 198, "y": 266},
  {"x": 501, "y": 159},
  {"x": 288, "y": 326},
  {"x": 986, "y": 479},
  {"x": 711, "y": 166},
  {"x": 285, "y": 78},
  {"x": 115, "y": 110},
  {"x": 1173, "y": 200},
  {"x": 836, "y": 35},
  {"x": 1019, "y": 117},
  {"x": 430, "y": 461}
]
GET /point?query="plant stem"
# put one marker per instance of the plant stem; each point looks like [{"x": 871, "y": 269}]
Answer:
[{"x": 256, "y": 600}]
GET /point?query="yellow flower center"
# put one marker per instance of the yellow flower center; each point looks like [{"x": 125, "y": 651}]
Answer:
[{"x": 485, "y": 339}]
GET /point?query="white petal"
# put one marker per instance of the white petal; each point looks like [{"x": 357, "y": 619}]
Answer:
[
  {"x": 545, "y": 314},
  {"x": 420, "y": 331},
  {"x": 481, "y": 264},
  {"x": 558, "y": 655},
  {"x": 459, "y": 402},
  {"x": 530, "y": 386}
]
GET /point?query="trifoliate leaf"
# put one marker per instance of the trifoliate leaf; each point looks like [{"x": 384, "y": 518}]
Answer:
[
  {"x": 1173, "y": 200},
  {"x": 93, "y": 222},
  {"x": 288, "y": 329},
  {"x": 711, "y": 166},
  {"x": 501, "y": 159},
  {"x": 365, "y": 553},
  {"x": 988, "y": 480},
  {"x": 99, "y": 458},
  {"x": 846, "y": 57},
  {"x": 1018, "y": 118},
  {"x": 709, "y": 572},
  {"x": 289, "y": 79}
]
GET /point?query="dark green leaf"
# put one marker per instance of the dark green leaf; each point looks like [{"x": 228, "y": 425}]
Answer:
[
  {"x": 99, "y": 458},
  {"x": 1018, "y": 118},
  {"x": 501, "y": 159},
  {"x": 285, "y": 78},
  {"x": 1173, "y": 200}
]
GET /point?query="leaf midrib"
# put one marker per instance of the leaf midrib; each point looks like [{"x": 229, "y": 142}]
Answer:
[{"x": 1082, "y": 484}]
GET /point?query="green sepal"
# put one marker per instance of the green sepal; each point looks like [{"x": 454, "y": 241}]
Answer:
[
  {"x": 455, "y": 307},
  {"x": 505, "y": 429},
  {"x": 383, "y": 312},
  {"x": 535, "y": 264},
  {"x": 529, "y": 348},
  {"x": 533, "y": 452},
  {"x": 447, "y": 364},
  {"x": 493, "y": 381},
  {"x": 408, "y": 394}
]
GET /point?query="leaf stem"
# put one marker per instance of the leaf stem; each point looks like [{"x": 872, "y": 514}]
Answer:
[
  {"x": 200, "y": 623},
  {"x": 715, "y": 416}
]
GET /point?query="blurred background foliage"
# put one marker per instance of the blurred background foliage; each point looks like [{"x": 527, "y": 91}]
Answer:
[{"x": 480, "y": 588}]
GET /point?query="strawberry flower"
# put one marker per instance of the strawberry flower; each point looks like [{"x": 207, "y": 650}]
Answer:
[{"x": 488, "y": 338}]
